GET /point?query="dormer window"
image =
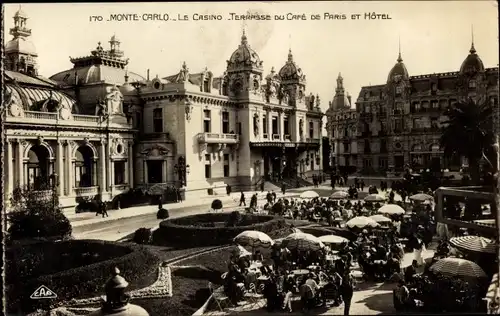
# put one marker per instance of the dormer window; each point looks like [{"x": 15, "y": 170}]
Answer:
[
  {"x": 206, "y": 86},
  {"x": 399, "y": 89},
  {"x": 472, "y": 84},
  {"x": 434, "y": 87},
  {"x": 367, "y": 95}
]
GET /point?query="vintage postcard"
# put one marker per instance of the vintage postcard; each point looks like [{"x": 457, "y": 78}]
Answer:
[{"x": 216, "y": 158}]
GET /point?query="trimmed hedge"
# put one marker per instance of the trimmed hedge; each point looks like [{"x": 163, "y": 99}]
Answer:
[
  {"x": 203, "y": 229},
  {"x": 32, "y": 265}
]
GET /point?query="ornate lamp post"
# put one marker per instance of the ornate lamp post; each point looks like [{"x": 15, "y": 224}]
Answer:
[
  {"x": 181, "y": 169},
  {"x": 54, "y": 183},
  {"x": 117, "y": 301}
]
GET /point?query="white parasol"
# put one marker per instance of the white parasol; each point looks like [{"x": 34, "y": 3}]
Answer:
[
  {"x": 392, "y": 209},
  {"x": 333, "y": 239},
  {"x": 253, "y": 239},
  {"x": 309, "y": 195},
  {"x": 361, "y": 222},
  {"x": 302, "y": 241},
  {"x": 458, "y": 267},
  {"x": 474, "y": 244},
  {"x": 422, "y": 197},
  {"x": 375, "y": 198},
  {"x": 339, "y": 195},
  {"x": 379, "y": 218}
]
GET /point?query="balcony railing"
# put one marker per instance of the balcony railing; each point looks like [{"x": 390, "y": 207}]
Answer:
[
  {"x": 288, "y": 137},
  {"x": 264, "y": 136},
  {"x": 86, "y": 118},
  {"x": 41, "y": 115},
  {"x": 214, "y": 138},
  {"x": 86, "y": 191},
  {"x": 276, "y": 136}
]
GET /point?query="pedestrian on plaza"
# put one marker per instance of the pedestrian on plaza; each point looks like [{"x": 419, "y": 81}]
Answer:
[
  {"x": 347, "y": 291},
  {"x": 274, "y": 196},
  {"x": 262, "y": 186},
  {"x": 179, "y": 195},
  {"x": 362, "y": 185},
  {"x": 228, "y": 189},
  {"x": 104, "y": 210},
  {"x": 283, "y": 188},
  {"x": 242, "y": 199}
]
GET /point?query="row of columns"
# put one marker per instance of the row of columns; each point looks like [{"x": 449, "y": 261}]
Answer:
[{"x": 15, "y": 173}]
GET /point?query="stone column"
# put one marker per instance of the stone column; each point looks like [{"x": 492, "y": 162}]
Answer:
[
  {"x": 102, "y": 167},
  {"x": 145, "y": 171},
  {"x": 60, "y": 167},
  {"x": 10, "y": 172},
  {"x": 69, "y": 168},
  {"x": 281, "y": 123},
  {"x": 164, "y": 171},
  {"x": 109, "y": 169},
  {"x": 130, "y": 164},
  {"x": 269, "y": 125},
  {"x": 20, "y": 163}
]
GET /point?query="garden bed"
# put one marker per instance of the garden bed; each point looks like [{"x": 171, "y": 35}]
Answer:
[
  {"x": 190, "y": 284},
  {"x": 201, "y": 229},
  {"x": 83, "y": 275}
]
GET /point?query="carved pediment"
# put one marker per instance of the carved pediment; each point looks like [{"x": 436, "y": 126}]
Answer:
[{"x": 155, "y": 151}]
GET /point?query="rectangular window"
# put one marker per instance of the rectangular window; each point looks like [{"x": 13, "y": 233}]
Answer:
[
  {"x": 264, "y": 124},
  {"x": 346, "y": 147},
  {"x": 226, "y": 165},
  {"x": 312, "y": 162},
  {"x": 119, "y": 172},
  {"x": 382, "y": 163},
  {"x": 208, "y": 167},
  {"x": 274, "y": 123},
  {"x": 435, "y": 105},
  {"x": 158, "y": 120},
  {"x": 311, "y": 129},
  {"x": 155, "y": 171},
  {"x": 239, "y": 128},
  {"x": 206, "y": 86},
  {"x": 286, "y": 126},
  {"x": 206, "y": 121},
  {"x": 398, "y": 125},
  {"x": 383, "y": 146},
  {"x": 225, "y": 122},
  {"x": 367, "y": 163}
]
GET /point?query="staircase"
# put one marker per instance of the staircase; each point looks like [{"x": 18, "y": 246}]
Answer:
[{"x": 291, "y": 183}]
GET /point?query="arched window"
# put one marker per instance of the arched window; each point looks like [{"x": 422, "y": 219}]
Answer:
[
  {"x": 39, "y": 168},
  {"x": 84, "y": 167}
]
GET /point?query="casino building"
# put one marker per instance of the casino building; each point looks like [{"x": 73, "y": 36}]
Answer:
[
  {"x": 398, "y": 124},
  {"x": 99, "y": 129}
]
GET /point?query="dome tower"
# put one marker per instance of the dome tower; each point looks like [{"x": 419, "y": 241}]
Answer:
[
  {"x": 341, "y": 100},
  {"x": 20, "y": 53},
  {"x": 293, "y": 81},
  {"x": 472, "y": 78},
  {"x": 244, "y": 70}
]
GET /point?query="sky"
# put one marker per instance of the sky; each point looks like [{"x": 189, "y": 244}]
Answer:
[{"x": 434, "y": 36}]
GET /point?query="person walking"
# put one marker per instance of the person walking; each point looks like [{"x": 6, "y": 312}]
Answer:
[
  {"x": 347, "y": 291},
  {"x": 104, "y": 210},
  {"x": 242, "y": 199}
]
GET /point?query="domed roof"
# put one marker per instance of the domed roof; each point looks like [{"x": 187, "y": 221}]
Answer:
[
  {"x": 472, "y": 62},
  {"x": 21, "y": 45},
  {"x": 290, "y": 70},
  {"x": 127, "y": 88},
  {"x": 96, "y": 74},
  {"x": 20, "y": 13},
  {"x": 340, "y": 102},
  {"x": 244, "y": 56},
  {"x": 272, "y": 75},
  {"x": 399, "y": 70}
]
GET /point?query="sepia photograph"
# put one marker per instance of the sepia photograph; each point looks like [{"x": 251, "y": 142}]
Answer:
[{"x": 253, "y": 158}]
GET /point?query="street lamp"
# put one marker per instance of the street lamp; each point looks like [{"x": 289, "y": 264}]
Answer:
[
  {"x": 54, "y": 183},
  {"x": 181, "y": 169}
]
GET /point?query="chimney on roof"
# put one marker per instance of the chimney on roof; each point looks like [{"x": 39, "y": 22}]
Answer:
[{"x": 148, "y": 75}]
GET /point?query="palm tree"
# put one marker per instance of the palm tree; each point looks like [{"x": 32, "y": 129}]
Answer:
[{"x": 468, "y": 132}]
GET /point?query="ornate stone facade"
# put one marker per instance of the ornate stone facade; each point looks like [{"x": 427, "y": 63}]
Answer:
[
  {"x": 399, "y": 123},
  {"x": 101, "y": 130}
]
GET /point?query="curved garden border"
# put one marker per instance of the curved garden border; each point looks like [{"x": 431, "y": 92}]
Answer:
[
  {"x": 138, "y": 264},
  {"x": 184, "y": 231}
]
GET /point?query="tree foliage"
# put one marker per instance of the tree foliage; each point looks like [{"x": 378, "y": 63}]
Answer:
[
  {"x": 37, "y": 214},
  {"x": 468, "y": 132}
]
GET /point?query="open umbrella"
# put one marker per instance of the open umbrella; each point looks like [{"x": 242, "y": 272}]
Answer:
[
  {"x": 392, "y": 209},
  {"x": 375, "y": 198},
  {"x": 421, "y": 197},
  {"x": 361, "y": 222},
  {"x": 241, "y": 252},
  {"x": 309, "y": 195},
  {"x": 253, "y": 239},
  {"x": 216, "y": 204},
  {"x": 458, "y": 267},
  {"x": 339, "y": 195},
  {"x": 302, "y": 241},
  {"x": 379, "y": 218},
  {"x": 474, "y": 244},
  {"x": 333, "y": 239}
]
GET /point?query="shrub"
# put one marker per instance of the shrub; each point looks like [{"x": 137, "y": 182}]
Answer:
[
  {"x": 200, "y": 230},
  {"x": 234, "y": 219},
  {"x": 162, "y": 214},
  {"x": 41, "y": 263},
  {"x": 37, "y": 214},
  {"x": 142, "y": 236}
]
